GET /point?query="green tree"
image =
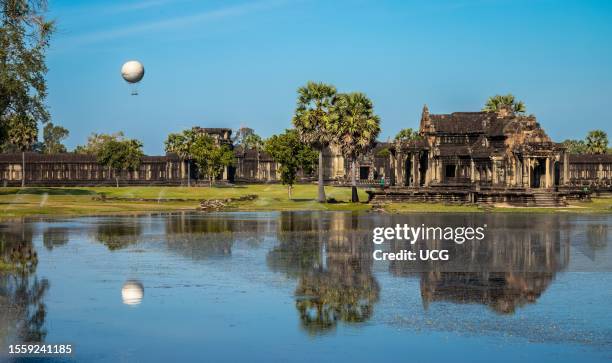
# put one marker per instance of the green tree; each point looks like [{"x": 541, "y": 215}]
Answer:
[
  {"x": 52, "y": 138},
  {"x": 383, "y": 153},
  {"x": 120, "y": 155},
  {"x": 407, "y": 135},
  {"x": 292, "y": 154},
  {"x": 509, "y": 102},
  {"x": 24, "y": 39},
  {"x": 597, "y": 142},
  {"x": 181, "y": 144},
  {"x": 96, "y": 141},
  {"x": 313, "y": 119},
  {"x": 575, "y": 146},
  {"x": 210, "y": 157},
  {"x": 253, "y": 141},
  {"x": 355, "y": 130},
  {"x": 247, "y": 138},
  {"x": 22, "y": 133}
]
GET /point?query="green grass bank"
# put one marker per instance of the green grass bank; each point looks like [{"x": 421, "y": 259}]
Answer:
[{"x": 33, "y": 201}]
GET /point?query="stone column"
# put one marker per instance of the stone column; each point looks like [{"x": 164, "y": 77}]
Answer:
[
  {"x": 428, "y": 171},
  {"x": 399, "y": 180},
  {"x": 472, "y": 171},
  {"x": 566, "y": 177},
  {"x": 415, "y": 170},
  {"x": 547, "y": 173},
  {"x": 494, "y": 171}
]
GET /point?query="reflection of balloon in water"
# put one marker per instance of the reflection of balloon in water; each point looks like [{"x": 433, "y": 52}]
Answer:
[
  {"x": 132, "y": 72},
  {"x": 132, "y": 292}
]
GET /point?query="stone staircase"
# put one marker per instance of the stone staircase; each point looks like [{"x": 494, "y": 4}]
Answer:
[{"x": 547, "y": 198}]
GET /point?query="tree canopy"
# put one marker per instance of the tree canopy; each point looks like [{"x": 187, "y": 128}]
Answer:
[
  {"x": 498, "y": 102},
  {"x": 52, "y": 139},
  {"x": 180, "y": 143},
  {"x": 406, "y": 135},
  {"x": 22, "y": 132},
  {"x": 575, "y": 146},
  {"x": 596, "y": 142},
  {"x": 96, "y": 141},
  {"x": 356, "y": 127},
  {"x": 210, "y": 157},
  {"x": 120, "y": 155},
  {"x": 24, "y": 39},
  {"x": 248, "y": 139},
  {"x": 314, "y": 113},
  {"x": 292, "y": 154}
]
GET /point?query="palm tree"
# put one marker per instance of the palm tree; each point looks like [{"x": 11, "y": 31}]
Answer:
[
  {"x": 313, "y": 118},
  {"x": 597, "y": 142},
  {"x": 356, "y": 129},
  {"x": 500, "y": 102},
  {"x": 180, "y": 144},
  {"x": 22, "y": 132}
]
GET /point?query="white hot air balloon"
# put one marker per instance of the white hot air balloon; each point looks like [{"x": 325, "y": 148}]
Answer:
[{"x": 132, "y": 72}]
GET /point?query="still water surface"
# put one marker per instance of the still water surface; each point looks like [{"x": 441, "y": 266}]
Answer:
[{"x": 303, "y": 286}]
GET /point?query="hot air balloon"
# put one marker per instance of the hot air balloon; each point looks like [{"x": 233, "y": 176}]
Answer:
[{"x": 132, "y": 72}]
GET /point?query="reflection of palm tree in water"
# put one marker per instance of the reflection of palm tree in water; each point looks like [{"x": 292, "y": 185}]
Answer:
[
  {"x": 341, "y": 288},
  {"x": 22, "y": 309}
]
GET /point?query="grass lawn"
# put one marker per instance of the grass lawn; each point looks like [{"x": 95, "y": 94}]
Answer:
[{"x": 18, "y": 202}]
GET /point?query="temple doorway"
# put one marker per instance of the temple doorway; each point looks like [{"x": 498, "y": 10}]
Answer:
[
  {"x": 557, "y": 174},
  {"x": 408, "y": 172},
  {"x": 539, "y": 173},
  {"x": 364, "y": 172},
  {"x": 423, "y": 168}
]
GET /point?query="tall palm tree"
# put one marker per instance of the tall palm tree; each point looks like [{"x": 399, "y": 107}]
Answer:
[
  {"x": 22, "y": 133},
  {"x": 356, "y": 129},
  {"x": 313, "y": 118},
  {"x": 498, "y": 102},
  {"x": 180, "y": 144},
  {"x": 597, "y": 142}
]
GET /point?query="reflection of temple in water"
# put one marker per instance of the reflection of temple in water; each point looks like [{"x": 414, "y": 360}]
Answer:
[
  {"x": 332, "y": 260},
  {"x": 504, "y": 271}
]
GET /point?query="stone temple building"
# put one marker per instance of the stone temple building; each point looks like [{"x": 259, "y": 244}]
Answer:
[
  {"x": 490, "y": 157},
  {"x": 462, "y": 157}
]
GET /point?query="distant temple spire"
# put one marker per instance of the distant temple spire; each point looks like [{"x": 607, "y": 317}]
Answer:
[{"x": 425, "y": 120}]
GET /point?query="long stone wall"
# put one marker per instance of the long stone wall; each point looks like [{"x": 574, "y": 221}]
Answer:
[
  {"x": 77, "y": 170},
  {"x": 591, "y": 171}
]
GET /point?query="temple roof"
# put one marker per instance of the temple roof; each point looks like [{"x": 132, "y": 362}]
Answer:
[
  {"x": 35, "y": 157},
  {"x": 591, "y": 158},
  {"x": 471, "y": 123}
]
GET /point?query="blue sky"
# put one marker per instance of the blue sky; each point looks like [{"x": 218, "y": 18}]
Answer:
[{"x": 233, "y": 63}]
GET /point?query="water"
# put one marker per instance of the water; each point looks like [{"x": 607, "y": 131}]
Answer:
[{"x": 303, "y": 286}]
